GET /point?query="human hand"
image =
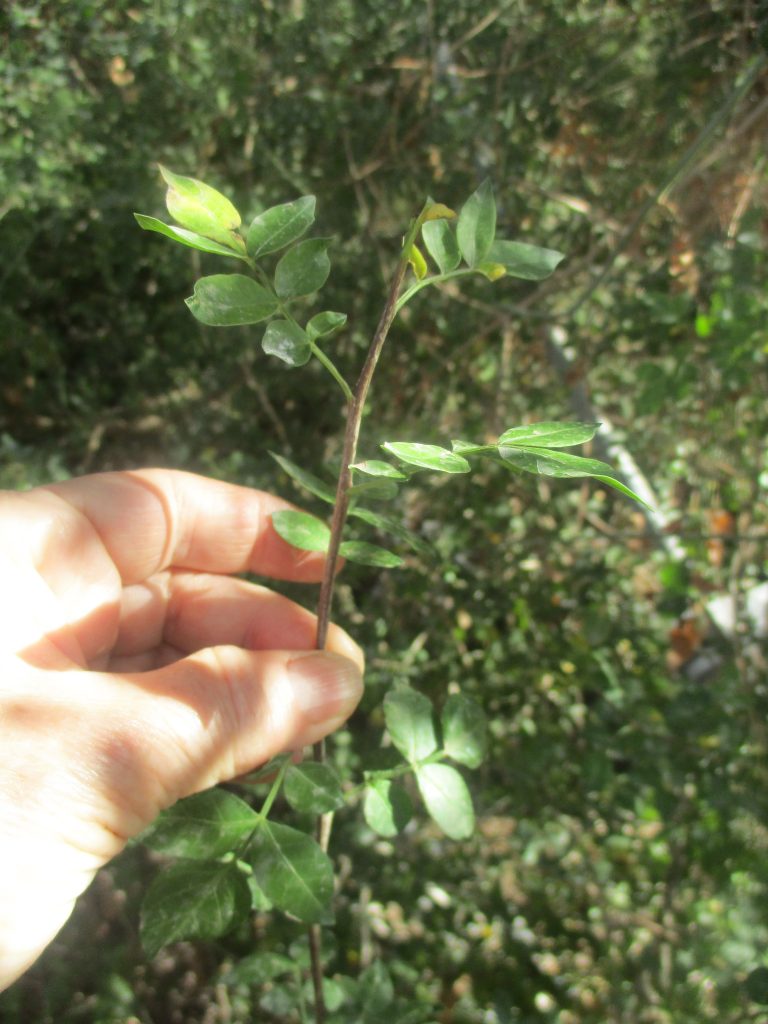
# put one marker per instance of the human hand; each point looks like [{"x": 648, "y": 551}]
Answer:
[{"x": 135, "y": 671}]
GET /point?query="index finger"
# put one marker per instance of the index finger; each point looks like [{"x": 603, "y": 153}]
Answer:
[{"x": 154, "y": 519}]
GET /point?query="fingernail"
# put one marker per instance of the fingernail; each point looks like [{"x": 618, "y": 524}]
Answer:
[{"x": 325, "y": 685}]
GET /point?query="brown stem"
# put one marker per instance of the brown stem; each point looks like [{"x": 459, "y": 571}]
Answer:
[{"x": 340, "y": 509}]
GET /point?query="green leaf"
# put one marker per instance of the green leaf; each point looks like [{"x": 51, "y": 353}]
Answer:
[
  {"x": 200, "y": 208},
  {"x": 492, "y": 271},
  {"x": 305, "y": 479},
  {"x": 427, "y": 456},
  {"x": 408, "y": 715},
  {"x": 756, "y": 985},
  {"x": 293, "y": 871},
  {"x": 440, "y": 241},
  {"x": 369, "y": 554},
  {"x": 303, "y": 269},
  {"x": 258, "y": 968},
  {"x": 224, "y": 300},
  {"x": 549, "y": 435},
  {"x": 194, "y": 241},
  {"x": 417, "y": 262},
  {"x": 287, "y": 341},
  {"x": 193, "y": 899},
  {"x": 204, "y": 826},
  {"x": 447, "y": 799},
  {"x": 377, "y": 467},
  {"x": 548, "y": 462},
  {"x": 313, "y": 787},
  {"x": 476, "y": 227},
  {"x": 301, "y": 530},
  {"x": 530, "y": 262},
  {"x": 465, "y": 737},
  {"x": 322, "y": 325},
  {"x": 380, "y": 489},
  {"x": 279, "y": 226},
  {"x": 387, "y": 807},
  {"x": 392, "y": 527}
]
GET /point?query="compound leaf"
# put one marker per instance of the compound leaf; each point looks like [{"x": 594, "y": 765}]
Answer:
[
  {"x": 193, "y": 899},
  {"x": 225, "y": 300},
  {"x": 549, "y": 435},
  {"x": 303, "y": 269},
  {"x": 287, "y": 341},
  {"x": 305, "y": 479},
  {"x": 476, "y": 227},
  {"x": 465, "y": 730},
  {"x": 427, "y": 456},
  {"x": 313, "y": 787},
  {"x": 292, "y": 871},
  {"x": 190, "y": 238},
  {"x": 387, "y": 807},
  {"x": 529, "y": 262},
  {"x": 200, "y": 208},
  {"x": 204, "y": 826},
  {"x": 301, "y": 530},
  {"x": 447, "y": 799},
  {"x": 408, "y": 715},
  {"x": 279, "y": 226},
  {"x": 369, "y": 554},
  {"x": 440, "y": 242},
  {"x": 322, "y": 325}
]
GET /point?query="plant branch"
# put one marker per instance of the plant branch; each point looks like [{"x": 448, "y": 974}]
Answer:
[{"x": 355, "y": 411}]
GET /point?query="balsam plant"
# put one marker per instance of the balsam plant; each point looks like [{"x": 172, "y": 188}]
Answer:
[{"x": 229, "y": 857}]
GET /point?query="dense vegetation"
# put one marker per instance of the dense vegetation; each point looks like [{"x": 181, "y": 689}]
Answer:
[{"x": 620, "y": 870}]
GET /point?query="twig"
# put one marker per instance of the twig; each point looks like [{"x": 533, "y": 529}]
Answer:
[{"x": 340, "y": 509}]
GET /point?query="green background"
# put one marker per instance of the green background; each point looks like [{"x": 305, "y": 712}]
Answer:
[{"x": 619, "y": 871}]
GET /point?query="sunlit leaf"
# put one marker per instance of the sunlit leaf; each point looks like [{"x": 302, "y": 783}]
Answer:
[
  {"x": 313, "y": 787},
  {"x": 303, "y": 269},
  {"x": 192, "y": 899},
  {"x": 529, "y": 262},
  {"x": 417, "y": 262},
  {"x": 279, "y": 226},
  {"x": 387, "y": 807},
  {"x": 476, "y": 227},
  {"x": 293, "y": 871},
  {"x": 287, "y": 341},
  {"x": 301, "y": 530},
  {"x": 224, "y": 300},
  {"x": 206, "y": 825},
  {"x": 447, "y": 799},
  {"x": 548, "y": 462},
  {"x": 310, "y": 482},
  {"x": 427, "y": 456},
  {"x": 465, "y": 730},
  {"x": 491, "y": 271},
  {"x": 369, "y": 554},
  {"x": 549, "y": 435},
  {"x": 185, "y": 237},
  {"x": 201, "y": 208},
  {"x": 440, "y": 241},
  {"x": 408, "y": 715},
  {"x": 377, "y": 467}
]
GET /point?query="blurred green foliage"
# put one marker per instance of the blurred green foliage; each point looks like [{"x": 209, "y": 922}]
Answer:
[{"x": 621, "y": 867}]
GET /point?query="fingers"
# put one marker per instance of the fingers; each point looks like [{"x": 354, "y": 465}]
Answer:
[
  {"x": 148, "y": 520},
  {"x": 152, "y": 738},
  {"x": 174, "y": 614}
]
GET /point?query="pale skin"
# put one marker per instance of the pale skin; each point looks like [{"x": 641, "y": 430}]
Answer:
[{"x": 136, "y": 669}]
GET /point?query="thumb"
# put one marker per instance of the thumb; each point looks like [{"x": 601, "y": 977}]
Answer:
[{"x": 222, "y": 712}]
